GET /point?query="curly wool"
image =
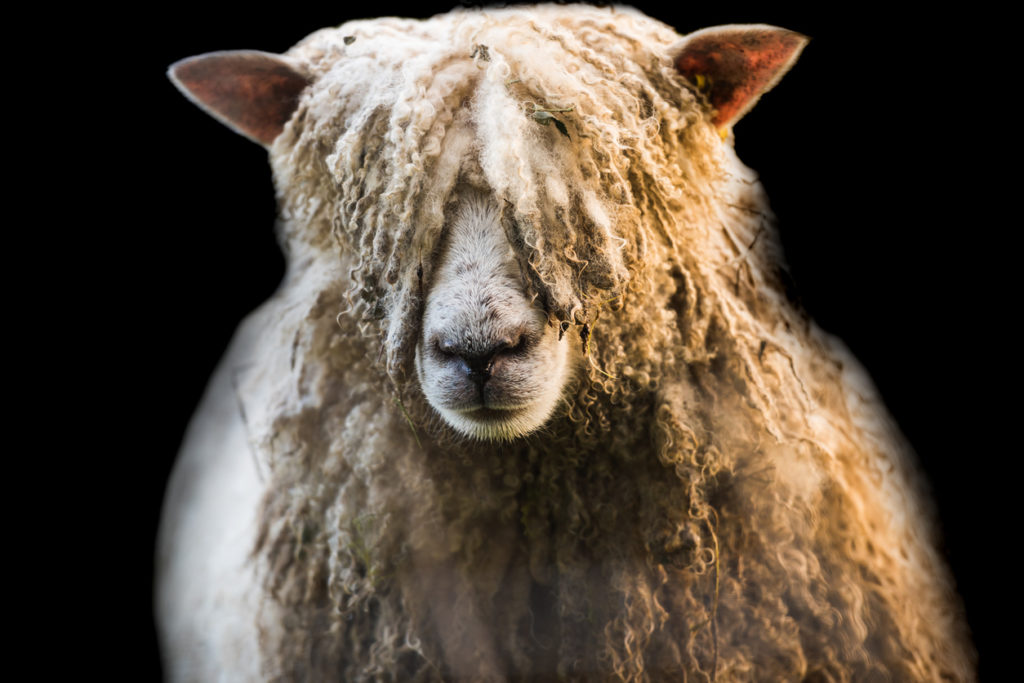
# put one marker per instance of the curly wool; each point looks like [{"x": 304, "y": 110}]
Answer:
[{"x": 721, "y": 494}]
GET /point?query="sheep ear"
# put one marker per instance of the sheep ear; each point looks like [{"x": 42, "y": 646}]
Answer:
[
  {"x": 734, "y": 65},
  {"x": 252, "y": 93}
]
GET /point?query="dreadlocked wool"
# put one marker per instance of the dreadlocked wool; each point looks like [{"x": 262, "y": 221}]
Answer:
[{"x": 719, "y": 494}]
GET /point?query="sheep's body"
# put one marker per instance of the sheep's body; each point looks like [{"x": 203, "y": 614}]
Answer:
[{"x": 718, "y": 492}]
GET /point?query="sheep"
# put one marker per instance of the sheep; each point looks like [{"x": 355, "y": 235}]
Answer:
[{"x": 532, "y": 401}]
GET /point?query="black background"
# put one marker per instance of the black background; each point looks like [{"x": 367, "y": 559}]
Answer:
[{"x": 874, "y": 153}]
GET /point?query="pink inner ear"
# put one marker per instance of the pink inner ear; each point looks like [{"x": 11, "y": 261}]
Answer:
[
  {"x": 254, "y": 93},
  {"x": 738, "y": 65}
]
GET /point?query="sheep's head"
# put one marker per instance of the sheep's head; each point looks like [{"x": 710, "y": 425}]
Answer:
[{"x": 476, "y": 288}]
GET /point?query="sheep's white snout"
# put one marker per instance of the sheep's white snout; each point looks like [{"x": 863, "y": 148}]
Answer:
[{"x": 487, "y": 360}]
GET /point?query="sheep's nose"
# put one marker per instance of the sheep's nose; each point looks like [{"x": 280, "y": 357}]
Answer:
[{"x": 478, "y": 361}]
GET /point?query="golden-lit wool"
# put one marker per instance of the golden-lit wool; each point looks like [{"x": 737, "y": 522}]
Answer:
[{"x": 719, "y": 495}]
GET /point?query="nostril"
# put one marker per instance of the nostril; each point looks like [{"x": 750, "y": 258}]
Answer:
[
  {"x": 502, "y": 346},
  {"x": 447, "y": 348},
  {"x": 521, "y": 344}
]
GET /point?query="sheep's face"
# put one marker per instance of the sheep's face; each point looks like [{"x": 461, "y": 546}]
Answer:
[{"x": 487, "y": 359}]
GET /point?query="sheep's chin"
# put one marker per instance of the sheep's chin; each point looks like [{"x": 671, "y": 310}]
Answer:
[{"x": 489, "y": 424}]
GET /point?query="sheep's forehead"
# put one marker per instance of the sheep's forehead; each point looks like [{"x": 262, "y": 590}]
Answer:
[
  {"x": 479, "y": 278},
  {"x": 477, "y": 253},
  {"x": 487, "y": 69},
  {"x": 475, "y": 233}
]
